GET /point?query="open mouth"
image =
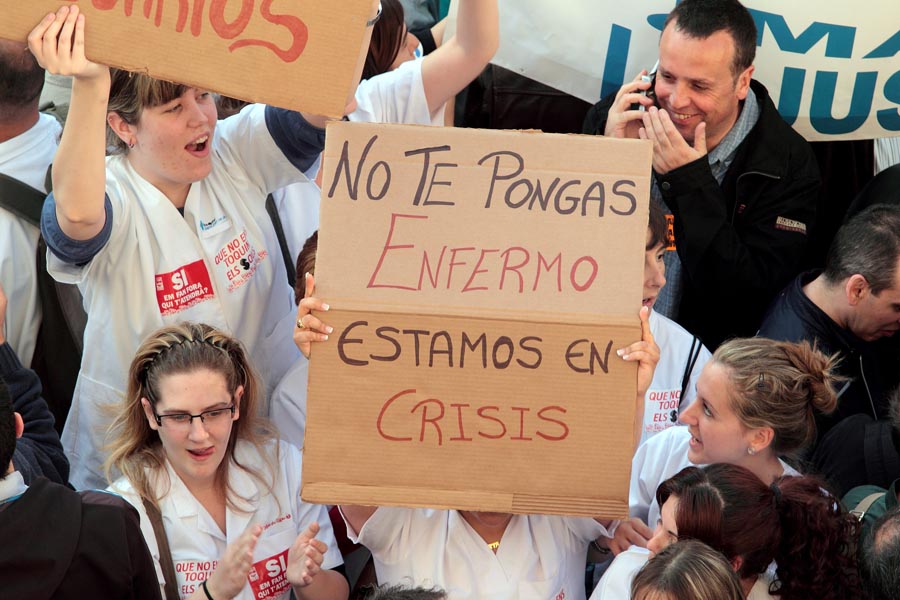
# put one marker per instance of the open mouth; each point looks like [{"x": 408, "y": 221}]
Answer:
[
  {"x": 199, "y": 145},
  {"x": 648, "y": 301}
]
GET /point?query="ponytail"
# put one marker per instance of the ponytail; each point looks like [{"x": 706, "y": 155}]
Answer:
[{"x": 817, "y": 554}]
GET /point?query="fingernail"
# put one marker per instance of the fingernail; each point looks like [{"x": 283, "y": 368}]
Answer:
[
  {"x": 624, "y": 357},
  {"x": 329, "y": 329},
  {"x": 307, "y": 275},
  {"x": 620, "y": 352},
  {"x": 324, "y": 338},
  {"x": 325, "y": 307}
]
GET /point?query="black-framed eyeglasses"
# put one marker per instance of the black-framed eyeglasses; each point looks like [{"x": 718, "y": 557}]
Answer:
[{"x": 212, "y": 417}]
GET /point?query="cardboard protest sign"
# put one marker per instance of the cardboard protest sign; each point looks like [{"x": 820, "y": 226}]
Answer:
[
  {"x": 300, "y": 55},
  {"x": 831, "y": 69},
  {"x": 479, "y": 283}
]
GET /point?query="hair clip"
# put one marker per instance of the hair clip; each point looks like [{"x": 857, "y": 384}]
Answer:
[{"x": 761, "y": 383}]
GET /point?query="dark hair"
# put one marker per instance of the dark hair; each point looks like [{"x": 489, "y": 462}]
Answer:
[
  {"x": 21, "y": 79},
  {"x": 687, "y": 569},
  {"x": 658, "y": 226},
  {"x": 702, "y": 18},
  {"x": 306, "y": 263},
  {"x": 7, "y": 428},
  {"x": 130, "y": 93},
  {"x": 399, "y": 592},
  {"x": 228, "y": 106},
  {"x": 779, "y": 385},
  {"x": 880, "y": 557},
  {"x": 867, "y": 244},
  {"x": 387, "y": 39},
  {"x": 793, "y": 521}
]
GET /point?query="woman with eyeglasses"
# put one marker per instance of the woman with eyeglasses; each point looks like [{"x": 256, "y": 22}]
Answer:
[{"x": 211, "y": 482}]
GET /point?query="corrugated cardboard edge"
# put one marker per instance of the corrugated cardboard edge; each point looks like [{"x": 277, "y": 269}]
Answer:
[{"x": 326, "y": 493}]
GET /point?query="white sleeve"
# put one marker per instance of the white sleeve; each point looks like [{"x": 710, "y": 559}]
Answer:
[
  {"x": 392, "y": 533},
  {"x": 292, "y": 462},
  {"x": 396, "y": 96},
  {"x": 245, "y": 146},
  {"x": 645, "y": 476},
  {"x": 616, "y": 581}
]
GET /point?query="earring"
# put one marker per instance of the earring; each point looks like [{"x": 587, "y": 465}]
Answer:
[
  {"x": 131, "y": 144},
  {"x": 751, "y": 451}
]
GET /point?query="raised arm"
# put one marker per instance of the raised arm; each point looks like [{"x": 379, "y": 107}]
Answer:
[
  {"x": 459, "y": 60},
  {"x": 646, "y": 353},
  {"x": 79, "y": 171}
]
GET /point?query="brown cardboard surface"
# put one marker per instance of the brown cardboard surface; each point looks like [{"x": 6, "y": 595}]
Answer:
[
  {"x": 485, "y": 387},
  {"x": 299, "y": 55}
]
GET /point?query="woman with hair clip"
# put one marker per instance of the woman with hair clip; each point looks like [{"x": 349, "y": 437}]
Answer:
[
  {"x": 172, "y": 227},
  {"x": 687, "y": 569},
  {"x": 756, "y": 400},
  {"x": 792, "y": 522},
  {"x": 218, "y": 495}
]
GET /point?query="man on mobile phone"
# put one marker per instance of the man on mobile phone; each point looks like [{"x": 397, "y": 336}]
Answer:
[{"x": 739, "y": 183}]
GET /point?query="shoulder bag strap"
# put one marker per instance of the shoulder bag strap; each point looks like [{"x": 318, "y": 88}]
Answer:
[
  {"x": 21, "y": 199},
  {"x": 862, "y": 507},
  {"x": 165, "y": 555},
  {"x": 282, "y": 240},
  {"x": 696, "y": 346}
]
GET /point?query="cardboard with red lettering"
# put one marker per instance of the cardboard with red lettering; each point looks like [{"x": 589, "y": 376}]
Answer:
[
  {"x": 480, "y": 283},
  {"x": 300, "y": 55}
]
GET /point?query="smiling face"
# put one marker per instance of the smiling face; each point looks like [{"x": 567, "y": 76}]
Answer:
[
  {"x": 717, "y": 435},
  {"x": 172, "y": 142},
  {"x": 654, "y": 272},
  {"x": 695, "y": 83},
  {"x": 196, "y": 451},
  {"x": 666, "y": 532}
]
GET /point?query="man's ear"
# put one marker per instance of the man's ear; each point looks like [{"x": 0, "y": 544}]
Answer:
[
  {"x": 20, "y": 425},
  {"x": 148, "y": 413},
  {"x": 743, "y": 83},
  {"x": 736, "y": 563},
  {"x": 121, "y": 127},
  {"x": 856, "y": 289}
]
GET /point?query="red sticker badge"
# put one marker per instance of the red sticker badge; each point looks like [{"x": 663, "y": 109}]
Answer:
[
  {"x": 183, "y": 288},
  {"x": 268, "y": 577}
]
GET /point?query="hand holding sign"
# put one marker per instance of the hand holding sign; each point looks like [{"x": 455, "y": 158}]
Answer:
[
  {"x": 305, "y": 557},
  {"x": 309, "y": 328},
  {"x": 57, "y": 43},
  {"x": 230, "y": 575}
]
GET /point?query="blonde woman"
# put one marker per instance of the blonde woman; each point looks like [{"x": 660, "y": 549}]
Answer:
[{"x": 210, "y": 483}]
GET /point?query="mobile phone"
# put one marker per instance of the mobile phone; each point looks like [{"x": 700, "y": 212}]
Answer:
[{"x": 651, "y": 91}]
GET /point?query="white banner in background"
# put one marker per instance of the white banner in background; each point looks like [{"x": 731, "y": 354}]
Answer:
[{"x": 832, "y": 68}]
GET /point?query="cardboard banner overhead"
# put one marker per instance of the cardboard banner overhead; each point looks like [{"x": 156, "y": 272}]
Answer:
[
  {"x": 479, "y": 283},
  {"x": 299, "y": 55},
  {"x": 831, "y": 68}
]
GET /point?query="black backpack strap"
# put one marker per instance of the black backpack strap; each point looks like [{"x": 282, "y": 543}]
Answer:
[
  {"x": 282, "y": 240},
  {"x": 21, "y": 199},
  {"x": 693, "y": 355}
]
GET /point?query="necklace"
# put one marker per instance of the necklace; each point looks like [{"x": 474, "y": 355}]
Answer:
[{"x": 494, "y": 545}]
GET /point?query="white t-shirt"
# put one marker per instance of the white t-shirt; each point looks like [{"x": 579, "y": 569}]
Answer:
[
  {"x": 663, "y": 402},
  {"x": 24, "y": 157},
  {"x": 197, "y": 543},
  {"x": 616, "y": 581},
  {"x": 218, "y": 264},
  {"x": 539, "y": 557},
  {"x": 664, "y": 455},
  {"x": 287, "y": 407}
]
